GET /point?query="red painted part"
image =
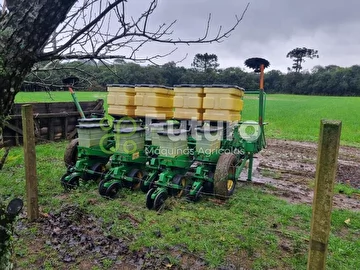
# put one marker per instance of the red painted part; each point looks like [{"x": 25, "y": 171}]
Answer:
[{"x": 262, "y": 76}]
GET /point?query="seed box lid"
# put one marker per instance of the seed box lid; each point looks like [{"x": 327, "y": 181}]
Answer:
[
  {"x": 129, "y": 130},
  {"x": 174, "y": 132},
  {"x": 121, "y": 85},
  {"x": 224, "y": 86},
  {"x": 92, "y": 126},
  {"x": 154, "y": 86},
  {"x": 89, "y": 120},
  {"x": 209, "y": 129}
]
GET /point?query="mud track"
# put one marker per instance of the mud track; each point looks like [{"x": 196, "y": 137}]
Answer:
[{"x": 288, "y": 169}]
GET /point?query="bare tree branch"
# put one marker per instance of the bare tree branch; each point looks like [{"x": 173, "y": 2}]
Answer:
[
  {"x": 99, "y": 39},
  {"x": 83, "y": 30}
]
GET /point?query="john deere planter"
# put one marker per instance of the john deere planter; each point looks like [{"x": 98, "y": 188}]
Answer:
[{"x": 187, "y": 140}]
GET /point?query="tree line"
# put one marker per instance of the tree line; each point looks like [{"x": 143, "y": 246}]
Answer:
[{"x": 329, "y": 80}]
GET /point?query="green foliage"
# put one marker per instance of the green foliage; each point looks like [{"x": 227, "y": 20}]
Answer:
[
  {"x": 328, "y": 81},
  {"x": 346, "y": 189},
  {"x": 205, "y": 62},
  {"x": 6, "y": 238},
  {"x": 2, "y": 70},
  {"x": 299, "y": 54}
]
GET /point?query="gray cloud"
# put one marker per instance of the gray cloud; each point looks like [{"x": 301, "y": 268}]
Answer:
[{"x": 269, "y": 29}]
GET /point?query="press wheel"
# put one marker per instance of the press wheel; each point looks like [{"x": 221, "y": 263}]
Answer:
[
  {"x": 149, "y": 200},
  {"x": 73, "y": 183},
  {"x": 208, "y": 186},
  {"x": 160, "y": 200},
  {"x": 112, "y": 190},
  {"x": 99, "y": 169},
  {"x": 137, "y": 178},
  {"x": 179, "y": 180},
  {"x": 102, "y": 188},
  {"x": 196, "y": 197}
]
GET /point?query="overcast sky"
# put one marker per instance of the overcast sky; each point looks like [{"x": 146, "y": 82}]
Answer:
[{"x": 270, "y": 29}]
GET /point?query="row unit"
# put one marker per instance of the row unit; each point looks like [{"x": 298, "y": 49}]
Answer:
[
  {"x": 130, "y": 136},
  {"x": 209, "y": 102}
]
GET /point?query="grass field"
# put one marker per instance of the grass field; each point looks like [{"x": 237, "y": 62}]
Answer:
[
  {"x": 253, "y": 230},
  {"x": 295, "y": 117},
  {"x": 289, "y": 117},
  {"x": 58, "y": 96}
]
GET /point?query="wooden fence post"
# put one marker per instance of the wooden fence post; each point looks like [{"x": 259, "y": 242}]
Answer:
[
  {"x": 30, "y": 162},
  {"x": 328, "y": 150}
]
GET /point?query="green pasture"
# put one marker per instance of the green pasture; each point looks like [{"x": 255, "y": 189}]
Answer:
[
  {"x": 296, "y": 117},
  {"x": 291, "y": 117},
  {"x": 63, "y": 96}
]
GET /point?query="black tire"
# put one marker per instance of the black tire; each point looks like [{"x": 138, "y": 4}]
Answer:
[
  {"x": 181, "y": 181},
  {"x": 198, "y": 194},
  {"x": 224, "y": 177},
  {"x": 189, "y": 198},
  {"x": 159, "y": 200},
  {"x": 102, "y": 188},
  {"x": 62, "y": 179},
  {"x": 188, "y": 189},
  {"x": 99, "y": 169},
  {"x": 71, "y": 151},
  {"x": 149, "y": 201},
  {"x": 112, "y": 190},
  {"x": 137, "y": 178},
  {"x": 209, "y": 186},
  {"x": 196, "y": 197},
  {"x": 73, "y": 183},
  {"x": 145, "y": 188}
]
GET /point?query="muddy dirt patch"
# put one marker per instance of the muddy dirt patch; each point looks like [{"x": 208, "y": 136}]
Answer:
[
  {"x": 79, "y": 240},
  {"x": 290, "y": 168}
]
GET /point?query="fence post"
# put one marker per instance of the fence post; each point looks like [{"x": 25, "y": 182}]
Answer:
[
  {"x": 30, "y": 162},
  {"x": 328, "y": 150}
]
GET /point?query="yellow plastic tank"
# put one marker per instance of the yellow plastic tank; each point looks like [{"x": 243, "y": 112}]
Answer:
[
  {"x": 154, "y": 100},
  {"x": 188, "y": 101},
  {"x": 121, "y": 99},
  {"x": 223, "y": 102}
]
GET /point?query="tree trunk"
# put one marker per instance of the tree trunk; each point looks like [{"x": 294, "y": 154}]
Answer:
[{"x": 24, "y": 31}]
